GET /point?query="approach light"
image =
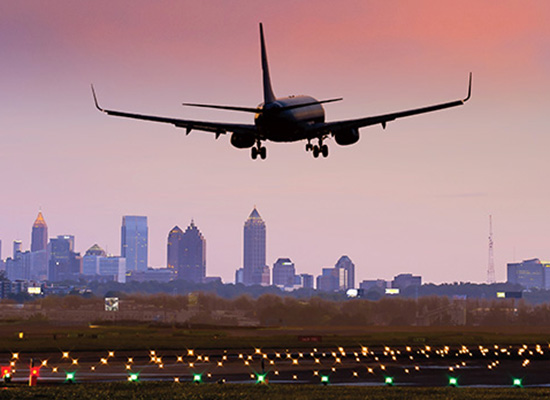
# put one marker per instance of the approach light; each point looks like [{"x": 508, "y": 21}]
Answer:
[
  {"x": 65, "y": 354},
  {"x": 261, "y": 378},
  {"x": 453, "y": 381},
  {"x": 15, "y": 356},
  {"x": 69, "y": 377},
  {"x": 324, "y": 379},
  {"x": 133, "y": 377},
  {"x": 197, "y": 378},
  {"x": 388, "y": 380},
  {"x": 111, "y": 354},
  {"x": 517, "y": 382}
]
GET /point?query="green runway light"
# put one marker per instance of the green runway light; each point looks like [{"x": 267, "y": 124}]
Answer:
[
  {"x": 69, "y": 377},
  {"x": 388, "y": 380},
  {"x": 260, "y": 378},
  {"x": 517, "y": 382},
  {"x": 324, "y": 379},
  {"x": 453, "y": 381},
  {"x": 134, "y": 377},
  {"x": 197, "y": 378}
]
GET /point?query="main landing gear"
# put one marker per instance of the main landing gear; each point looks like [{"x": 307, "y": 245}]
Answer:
[
  {"x": 258, "y": 150},
  {"x": 317, "y": 149}
]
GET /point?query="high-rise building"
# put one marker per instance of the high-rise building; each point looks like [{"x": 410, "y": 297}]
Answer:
[
  {"x": 307, "y": 281},
  {"x": 39, "y": 249},
  {"x": 64, "y": 263},
  {"x": 16, "y": 248},
  {"x": 254, "y": 266},
  {"x": 193, "y": 255},
  {"x": 403, "y": 281},
  {"x": 332, "y": 279},
  {"x": 90, "y": 261},
  {"x": 345, "y": 263},
  {"x": 134, "y": 233},
  {"x": 173, "y": 249},
  {"x": 39, "y": 240},
  {"x": 284, "y": 273}
]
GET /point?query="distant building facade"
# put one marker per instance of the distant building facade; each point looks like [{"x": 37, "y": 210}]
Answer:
[
  {"x": 255, "y": 270},
  {"x": 39, "y": 249},
  {"x": 531, "y": 274},
  {"x": 186, "y": 253},
  {"x": 114, "y": 267},
  {"x": 64, "y": 263},
  {"x": 134, "y": 242},
  {"x": 403, "y": 281},
  {"x": 284, "y": 273},
  {"x": 346, "y": 264},
  {"x": 90, "y": 261}
]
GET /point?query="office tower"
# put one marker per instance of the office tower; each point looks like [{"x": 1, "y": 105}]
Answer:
[
  {"x": 90, "y": 261},
  {"x": 39, "y": 249},
  {"x": 307, "y": 281},
  {"x": 531, "y": 274},
  {"x": 39, "y": 240},
  {"x": 114, "y": 267},
  {"x": 284, "y": 273},
  {"x": 332, "y": 279},
  {"x": 16, "y": 248},
  {"x": 64, "y": 263},
  {"x": 19, "y": 267},
  {"x": 239, "y": 276},
  {"x": 403, "y": 281},
  {"x": 173, "y": 249},
  {"x": 193, "y": 255},
  {"x": 254, "y": 250},
  {"x": 345, "y": 263},
  {"x": 134, "y": 242}
]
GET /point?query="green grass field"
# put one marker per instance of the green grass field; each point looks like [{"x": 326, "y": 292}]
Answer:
[{"x": 161, "y": 391}]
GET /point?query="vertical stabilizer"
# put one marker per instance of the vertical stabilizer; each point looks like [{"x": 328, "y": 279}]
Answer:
[{"x": 269, "y": 97}]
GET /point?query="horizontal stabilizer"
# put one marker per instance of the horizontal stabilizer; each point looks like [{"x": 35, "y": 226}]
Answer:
[{"x": 312, "y": 103}]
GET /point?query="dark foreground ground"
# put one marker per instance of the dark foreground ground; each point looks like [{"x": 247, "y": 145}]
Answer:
[{"x": 161, "y": 391}]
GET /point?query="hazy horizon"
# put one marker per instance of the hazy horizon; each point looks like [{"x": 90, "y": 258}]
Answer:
[{"x": 415, "y": 197}]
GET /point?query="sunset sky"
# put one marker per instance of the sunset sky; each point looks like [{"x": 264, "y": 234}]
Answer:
[{"x": 413, "y": 198}]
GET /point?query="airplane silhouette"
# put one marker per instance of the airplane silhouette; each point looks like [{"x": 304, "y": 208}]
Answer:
[{"x": 285, "y": 119}]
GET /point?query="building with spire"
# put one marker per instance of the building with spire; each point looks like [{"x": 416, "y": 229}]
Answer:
[
  {"x": 193, "y": 265},
  {"x": 39, "y": 249},
  {"x": 134, "y": 239},
  {"x": 255, "y": 270}
]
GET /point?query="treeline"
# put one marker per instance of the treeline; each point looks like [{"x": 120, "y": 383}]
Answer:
[{"x": 274, "y": 310}]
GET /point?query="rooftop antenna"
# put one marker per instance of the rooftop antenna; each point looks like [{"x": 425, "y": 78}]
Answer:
[{"x": 491, "y": 263}]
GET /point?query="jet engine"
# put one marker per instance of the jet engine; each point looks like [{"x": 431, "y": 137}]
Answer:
[
  {"x": 346, "y": 137},
  {"x": 242, "y": 140}
]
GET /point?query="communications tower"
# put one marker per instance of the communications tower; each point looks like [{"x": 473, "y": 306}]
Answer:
[{"x": 491, "y": 263}]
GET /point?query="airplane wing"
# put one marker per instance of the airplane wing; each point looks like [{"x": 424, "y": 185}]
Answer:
[
  {"x": 326, "y": 127},
  {"x": 218, "y": 128}
]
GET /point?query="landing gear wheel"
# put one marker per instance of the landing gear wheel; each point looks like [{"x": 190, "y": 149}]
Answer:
[
  {"x": 309, "y": 147},
  {"x": 315, "y": 151},
  {"x": 254, "y": 153},
  {"x": 324, "y": 150},
  {"x": 263, "y": 152}
]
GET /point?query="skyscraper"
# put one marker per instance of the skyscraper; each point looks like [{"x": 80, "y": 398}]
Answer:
[
  {"x": 39, "y": 240},
  {"x": 133, "y": 246},
  {"x": 173, "y": 249},
  {"x": 254, "y": 266},
  {"x": 39, "y": 249},
  {"x": 345, "y": 263},
  {"x": 90, "y": 261},
  {"x": 193, "y": 255},
  {"x": 64, "y": 263}
]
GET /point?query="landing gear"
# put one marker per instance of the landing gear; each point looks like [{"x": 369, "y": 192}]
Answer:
[
  {"x": 259, "y": 150},
  {"x": 318, "y": 149}
]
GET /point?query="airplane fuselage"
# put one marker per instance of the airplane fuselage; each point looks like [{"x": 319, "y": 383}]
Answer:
[{"x": 288, "y": 125}]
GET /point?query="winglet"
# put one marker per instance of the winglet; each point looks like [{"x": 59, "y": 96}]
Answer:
[
  {"x": 269, "y": 97},
  {"x": 95, "y": 100},
  {"x": 469, "y": 90}
]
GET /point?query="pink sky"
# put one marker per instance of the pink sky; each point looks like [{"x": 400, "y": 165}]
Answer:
[{"x": 414, "y": 198}]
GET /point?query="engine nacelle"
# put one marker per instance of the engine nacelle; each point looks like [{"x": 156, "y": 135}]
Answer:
[
  {"x": 242, "y": 140},
  {"x": 346, "y": 137}
]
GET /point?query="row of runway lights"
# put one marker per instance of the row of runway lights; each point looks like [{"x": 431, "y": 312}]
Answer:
[{"x": 7, "y": 372}]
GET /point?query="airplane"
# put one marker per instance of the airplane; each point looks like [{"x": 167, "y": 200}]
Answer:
[{"x": 284, "y": 119}]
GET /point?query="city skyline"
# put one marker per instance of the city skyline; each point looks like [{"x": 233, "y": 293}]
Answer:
[{"x": 414, "y": 195}]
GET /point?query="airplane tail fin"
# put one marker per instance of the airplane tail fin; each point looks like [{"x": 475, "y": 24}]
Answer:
[{"x": 269, "y": 97}]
